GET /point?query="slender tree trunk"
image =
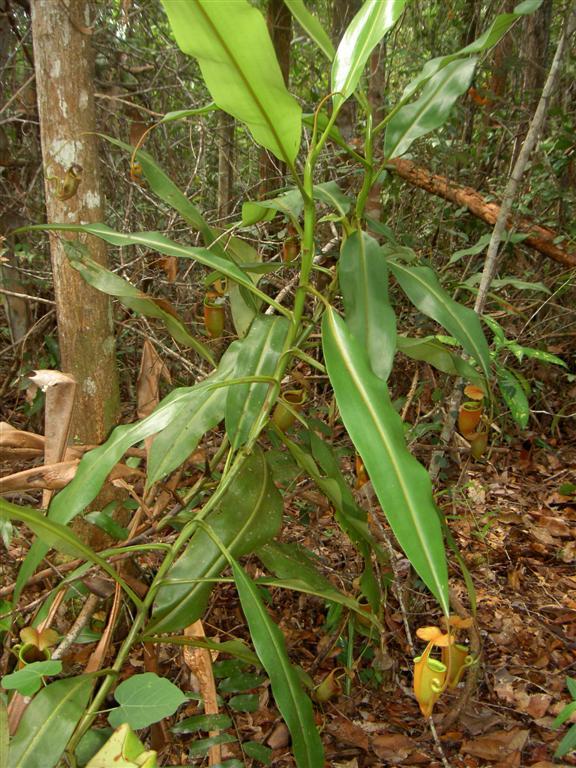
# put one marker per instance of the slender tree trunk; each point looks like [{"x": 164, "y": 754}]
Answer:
[
  {"x": 279, "y": 19},
  {"x": 226, "y": 166},
  {"x": 534, "y": 54},
  {"x": 64, "y": 82}
]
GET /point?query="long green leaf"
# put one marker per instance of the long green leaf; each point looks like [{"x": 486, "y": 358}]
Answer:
[
  {"x": 294, "y": 569},
  {"x": 270, "y": 645},
  {"x": 363, "y": 276},
  {"x": 250, "y": 514},
  {"x": 98, "y": 463},
  {"x": 48, "y": 723},
  {"x": 374, "y": 19},
  {"x": 52, "y": 534},
  {"x": 431, "y": 110},
  {"x": 291, "y": 203},
  {"x": 400, "y": 481},
  {"x": 163, "y": 186},
  {"x": 488, "y": 39},
  {"x": 421, "y": 286},
  {"x": 259, "y": 355},
  {"x": 106, "y": 281},
  {"x": 439, "y": 355},
  {"x": 351, "y": 518},
  {"x": 311, "y": 26},
  {"x": 198, "y": 413},
  {"x": 514, "y": 396},
  {"x": 158, "y": 242},
  {"x": 239, "y": 66}
]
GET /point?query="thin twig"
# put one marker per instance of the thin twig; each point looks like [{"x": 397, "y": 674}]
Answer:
[{"x": 82, "y": 619}]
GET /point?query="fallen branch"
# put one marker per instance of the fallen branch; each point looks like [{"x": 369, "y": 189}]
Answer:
[{"x": 540, "y": 238}]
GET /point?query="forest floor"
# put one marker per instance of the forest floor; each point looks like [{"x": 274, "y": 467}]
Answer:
[{"x": 516, "y": 531}]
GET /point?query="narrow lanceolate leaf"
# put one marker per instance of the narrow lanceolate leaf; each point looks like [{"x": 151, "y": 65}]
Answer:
[
  {"x": 311, "y": 26},
  {"x": 493, "y": 35},
  {"x": 270, "y": 645},
  {"x": 201, "y": 411},
  {"x": 48, "y": 723},
  {"x": 363, "y": 276},
  {"x": 97, "y": 464},
  {"x": 163, "y": 186},
  {"x": 51, "y": 534},
  {"x": 106, "y": 281},
  {"x": 158, "y": 242},
  {"x": 514, "y": 396},
  {"x": 431, "y": 109},
  {"x": 239, "y": 66},
  {"x": 374, "y": 19},
  {"x": 421, "y": 286},
  {"x": 400, "y": 481},
  {"x": 439, "y": 355},
  {"x": 249, "y": 515},
  {"x": 258, "y": 356}
]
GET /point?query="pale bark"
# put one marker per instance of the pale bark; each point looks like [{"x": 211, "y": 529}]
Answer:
[{"x": 63, "y": 63}]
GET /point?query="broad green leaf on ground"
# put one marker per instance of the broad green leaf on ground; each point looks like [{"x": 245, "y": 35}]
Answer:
[
  {"x": 291, "y": 203},
  {"x": 432, "y": 351},
  {"x": 198, "y": 412},
  {"x": 29, "y": 679},
  {"x": 106, "y": 281},
  {"x": 158, "y": 242},
  {"x": 311, "y": 26},
  {"x": 421, "y": 286},
  {"x": 123, "y": 750},
  {"x": 202, "y": 723},
  {"x": 258, "y": 356},
  {"x": 363, "y": 276},
  {"x": 401, "y": 483},
  {"x": 48, "y": 723},
  {"x": 270, "y": 645},
  {"x": 145, "y": 699},
  {"x": 431, "y": 109},
  {"x": 52, "y": 534},
  {"x": 374, "y": 19},
  {"x": 514, "y": 396},
  {"x": 488, "y": 39},
  {"x": 239, "y": 66},
  {"x": 249, "y": 515}
]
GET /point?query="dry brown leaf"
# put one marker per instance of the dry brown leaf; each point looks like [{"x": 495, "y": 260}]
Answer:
[
  {"x": 152, "y": 369},
  {"x": 496, "y": 745},
  {"x": 10, "y": 437},
  {"x": 393, "y": 747},
  {"x": 199, "y": 662},
  {"x": 347, "y": 732},
  {"x": 280, "y": 737},
  {"x": 55, "y": 476}
]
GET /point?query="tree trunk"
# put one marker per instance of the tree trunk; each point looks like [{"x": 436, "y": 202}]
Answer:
[
  {"x": 540, "y": 238},
  {"x": 279, "y": 19},
  {"x": 225, "y": 166},
  {"x": 534, "y": 56},
  {"x": 64, "y": 82}
]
